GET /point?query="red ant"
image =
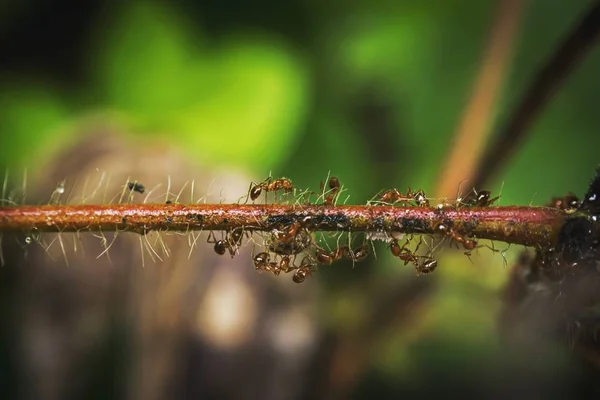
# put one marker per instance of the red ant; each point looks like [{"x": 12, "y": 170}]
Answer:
[
  {"x": 325, "y": 258},
  {"x": 478, "y": 199},
  {"x": 468, "y": 244},
  {"x": 394, "y": 196},
  {"x": 262, "y": 262},
  {"x": 221, "y": 246},
  {"x": 304, "y": 271},
  {"x": 293, "y": 240},
  {"x": 332, "y": 193},
  {"x": 270, "y": 185},
  {"x": 232, "y": 242},
  {"x": 358, "y": 255},
  {"x": 419, "y": 197},
  {"x": 428, "y": 265},
  {"x": 403, "y": 253}
]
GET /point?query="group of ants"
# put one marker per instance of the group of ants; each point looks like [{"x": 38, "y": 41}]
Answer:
[{"x": 295, "y": 238}]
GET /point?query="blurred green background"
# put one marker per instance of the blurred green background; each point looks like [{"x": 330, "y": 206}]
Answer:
[{"x": 369, "y": 90}]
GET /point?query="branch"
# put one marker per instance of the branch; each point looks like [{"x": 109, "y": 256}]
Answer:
[{"x": 530, "y": 226}]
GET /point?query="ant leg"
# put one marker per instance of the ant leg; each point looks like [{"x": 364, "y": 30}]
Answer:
[
  {"x": 265, "y": 185},
  {"x": 214, "y": 239},
  {"x": 252, "y": 185}
]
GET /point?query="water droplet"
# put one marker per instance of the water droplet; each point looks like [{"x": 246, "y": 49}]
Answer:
[{"x": 28, "y": 239}]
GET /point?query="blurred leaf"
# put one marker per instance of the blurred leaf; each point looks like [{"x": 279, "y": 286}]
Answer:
[
  {"x": 560, "y": 151},
  {"x": 426, "y": 56},
  {"x": 143, "y": 62},
  {"x": 240, "y": 102},
  {"x": 30, "y": 117},
  {"x": 253, "y": 115}
]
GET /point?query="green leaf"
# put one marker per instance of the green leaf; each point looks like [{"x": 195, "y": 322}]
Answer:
[
  {"x": 240, "y": 102},
  {"x": 253, "y": 112},
  {"x": 30, "y": 118}
]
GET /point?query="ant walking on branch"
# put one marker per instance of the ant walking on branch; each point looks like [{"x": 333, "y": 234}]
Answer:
[
  {"x": 423, "y": 264},
  {"x": 330, "y": 196},
  {"x": 393, "y": 196},
  {"x": 478, "y": 199},
  {"x": 270, "y": 185}
]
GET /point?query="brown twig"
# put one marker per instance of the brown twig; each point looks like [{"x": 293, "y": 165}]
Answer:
[{"x": 532, "y": 226}]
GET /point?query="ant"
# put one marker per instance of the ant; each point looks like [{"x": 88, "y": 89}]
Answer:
[
  {"x": 325, "y": 258},
  {"x": 270, "y": 185},
  {"x": 419, "y": 197},
  {"x": 403, "y": 253},
  {"x": 468, "y": 244},
  {"x": 358, "y": 255},
  {"x": 394, "y": 196},
  {"x": 221, "y": 246},
  {"x": 304, "y": 271},
  {"x": 262, "y": 262},
  {"x": 232, "y": 241},
  {"x": 568, "y": 202},
  {"x": 136, "y": 187},
  {"x": 427, "y": 266},
  {"x": 332, "y": 193},
  {"x": 236, "y": 236},
  {"x": 293, "y": 240},
  {"x": 478, "y": 199}
]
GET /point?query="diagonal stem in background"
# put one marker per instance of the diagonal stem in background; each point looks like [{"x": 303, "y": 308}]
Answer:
[
  {"x": 469, "y": 140},
  {"x": 572, "y": 51}
]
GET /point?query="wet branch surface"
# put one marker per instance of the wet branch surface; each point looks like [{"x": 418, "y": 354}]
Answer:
[{"x": 530, "y": 226}]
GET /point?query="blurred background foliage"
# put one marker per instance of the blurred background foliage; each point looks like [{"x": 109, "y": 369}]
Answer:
[{"x": 369, "y": 90}]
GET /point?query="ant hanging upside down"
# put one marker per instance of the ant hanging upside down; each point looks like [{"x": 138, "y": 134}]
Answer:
[
  {"x": 394, "y": 196},
  {"x": 262, "y": 262},
  {"x": 423, "y": 264},
  {"x": 468, "y": 244},
  {"x": 327, "y": 258},
  {"x": 231, "y": 243}
]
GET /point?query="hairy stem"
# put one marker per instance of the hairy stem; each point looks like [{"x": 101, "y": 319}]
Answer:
[{"x": 530, "y": 226}]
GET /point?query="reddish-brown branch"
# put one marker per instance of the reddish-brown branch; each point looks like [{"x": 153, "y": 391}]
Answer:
[{"x": 532, "y": 226}]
